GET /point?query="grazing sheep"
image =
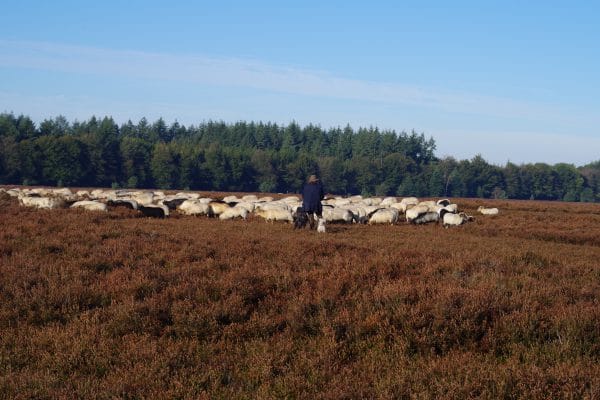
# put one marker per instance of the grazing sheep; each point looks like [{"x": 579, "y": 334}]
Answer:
[
  {"x": 487, "y": 211},
  {"x": 275, "y": 215},
  {"x": 143, "y": 198},
  {"x": 405, "y": 204},
  {"x": 234, "y": 212},
  {"x": 42, "y": 202},
  {"x": 450, "y": 219},
  {"x": 194, "y": 207},
  {"x": 90, "y": 205},
  {"x": 217, "y": 207},
  {"x": 82, "y": 193},
  {"x": 443, "y": 202},
  {"x": 131, "y": 204},
  {"x": 290, "y": 199},
  {"x": 246, "y": 205},
  {"x": 429, "y": 203},
  {"x": 388, "y": 201},
  {"x": 154, "y": 210},
  {"x": 336, "y": 214},
  {"x": 13, "y": 192},
  {"x": 429, "y": 216},
  {"x": 231, "y": 199},
  {"x": 415, "y": 211},
  {"x": 453, "y": 208},
  {"x": 174, "y": 203},
  {"x": 272, "y": 205},
  {"x": 384, "y": 216}
]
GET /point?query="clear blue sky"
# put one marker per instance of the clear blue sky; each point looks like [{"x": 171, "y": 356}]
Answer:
[{"x": 512, "y": 81}]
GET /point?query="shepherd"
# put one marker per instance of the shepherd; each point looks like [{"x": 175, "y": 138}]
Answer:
[{"x": 312, "y": 194}]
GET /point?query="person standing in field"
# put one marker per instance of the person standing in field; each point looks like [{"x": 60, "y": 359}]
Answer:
[{"x": 312, "y": 194}]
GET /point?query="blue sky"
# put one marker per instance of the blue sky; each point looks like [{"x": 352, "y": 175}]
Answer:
[{"x": 512, "y": 81}]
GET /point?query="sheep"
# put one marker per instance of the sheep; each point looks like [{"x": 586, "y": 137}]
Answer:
[
  {"x": 415, "y": 211},
  {"x": 388, "y": 201},
  {"x": 234, "y": 212},
  {"x": 336, "y": 214},
  {"x": 248, "y": 206},
  {"x": 143, "y": 198},
  {"x": 272, "y": 205},
  {"x": 13, "y": 192},
  {"x": 131, "y": 204},
  {"x": 290, "y": 199},
  {"x": 384, "y": 216},
  {"x": 173, "y": 203},
  {"x": 443, "y": 202},
  {"x": 218, "y": 207},
  {"x": 487, "y": 211},
  {"x": 340, "y": 202},
  {"x": 250, "y": 197},
  {"x": 410, "y": 200},
  {"x": 450, "y": 219},
  {"x": 275, "y": 214},
  {"x": 453, "y": 208},
  {"x": 231, "y": 199},
  {"x": 82, "y": 194},
  {"x": 89, "y": 205},
  {"x": 42, "y": 202},
  {"x": 194, "y": 207},
  {"x": 405, "y": 204},
  {"x": 154, "y": 210},
  {"x": 360, "y": 214},
  {"x": 429, "y": 216},
  {"x": 429, "y": 203}
]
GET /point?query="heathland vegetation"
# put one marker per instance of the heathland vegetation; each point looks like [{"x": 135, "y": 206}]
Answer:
[
  {"x": 266, "y": 157},
  {"x": 112, "y": 305}
]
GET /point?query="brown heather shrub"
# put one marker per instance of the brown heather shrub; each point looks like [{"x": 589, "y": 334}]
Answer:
[{"x": 111, "y": 305}]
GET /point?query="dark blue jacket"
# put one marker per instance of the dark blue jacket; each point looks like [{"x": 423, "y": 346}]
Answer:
[{"x": 312, "y": 194}]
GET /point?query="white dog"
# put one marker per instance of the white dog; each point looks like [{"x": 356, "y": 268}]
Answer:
[{"x": 321, "y": 225}]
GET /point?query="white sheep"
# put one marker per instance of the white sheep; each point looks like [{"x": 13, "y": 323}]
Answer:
[
  {"x": 384, "y": 216},
  {"x": 487, "y": 211},
  {"x": 249, "y": 206},
  {"x": 388, "y": 201},
  {"x": 276, "y": 214},
  {"x": 450, "y": 219},
  {"x": 415, "y": 211},
  {"x": 231, "y": 199},
  {"x": 429, "y": 216},
  {"x": 194, "y": 207},
  {"x": 217, "y": 207},
  {"x": 234, "y": 212},
  {"x": 42, "y": 202},
  {"x": 90, "y": 205},
  {"x": 336, "y": 214}
]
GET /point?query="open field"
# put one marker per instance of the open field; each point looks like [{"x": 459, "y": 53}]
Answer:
[{"x": 111, "y": 305}]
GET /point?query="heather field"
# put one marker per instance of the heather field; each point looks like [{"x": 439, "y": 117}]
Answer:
[{"x": 112, "y": 305}]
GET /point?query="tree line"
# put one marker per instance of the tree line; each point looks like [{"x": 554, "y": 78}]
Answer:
[{"x": 266, "y": 157}]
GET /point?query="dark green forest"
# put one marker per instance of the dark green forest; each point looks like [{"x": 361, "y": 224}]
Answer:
[{"x": 266, "y": 157}]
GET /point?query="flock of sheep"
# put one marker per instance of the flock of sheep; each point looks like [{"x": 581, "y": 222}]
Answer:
[{"x": 354, "y": 209}]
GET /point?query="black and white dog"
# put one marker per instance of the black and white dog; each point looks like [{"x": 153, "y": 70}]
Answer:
[{"x": 300, "y": 219}]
